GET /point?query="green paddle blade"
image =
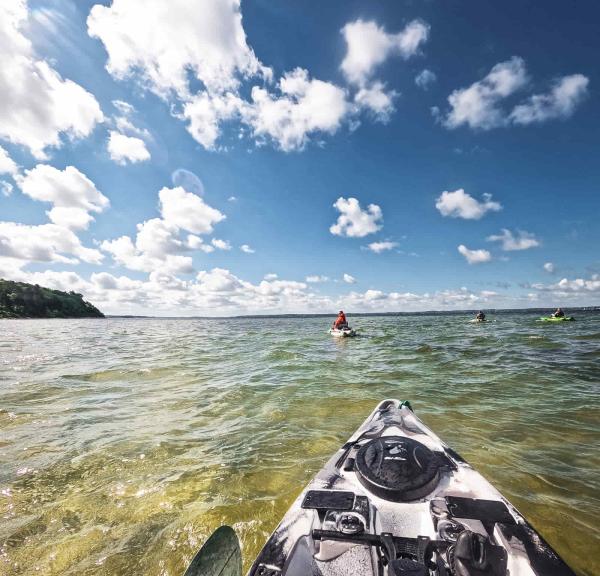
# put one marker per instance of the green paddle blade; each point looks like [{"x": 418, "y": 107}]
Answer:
[{"x": 220, "y": 556}]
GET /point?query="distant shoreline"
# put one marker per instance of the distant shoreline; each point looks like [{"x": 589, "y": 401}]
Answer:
[{"x": 545, "y": 310}]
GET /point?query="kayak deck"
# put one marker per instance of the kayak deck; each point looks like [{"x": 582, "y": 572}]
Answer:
[{"x": 395, "y": 500}]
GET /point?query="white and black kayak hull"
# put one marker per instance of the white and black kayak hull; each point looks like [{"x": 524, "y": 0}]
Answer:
[
  {"x": 396, "y": 501},
  {"x": 342, "y": 332}
]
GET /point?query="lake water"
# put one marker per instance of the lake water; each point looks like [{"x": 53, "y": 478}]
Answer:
[{"x": 125, "y": 442}]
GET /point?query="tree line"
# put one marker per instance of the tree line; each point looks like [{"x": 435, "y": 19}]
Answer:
[{"x": 22, "y": 300}]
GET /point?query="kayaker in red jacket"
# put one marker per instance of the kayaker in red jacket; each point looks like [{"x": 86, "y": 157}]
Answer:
[{"x": 340, "y": 321}]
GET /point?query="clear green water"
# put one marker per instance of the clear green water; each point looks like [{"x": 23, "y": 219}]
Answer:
[{"x": 125, "y": 442}]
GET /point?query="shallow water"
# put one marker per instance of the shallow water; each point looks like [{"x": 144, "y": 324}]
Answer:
[{"x": 125, "y": 442}]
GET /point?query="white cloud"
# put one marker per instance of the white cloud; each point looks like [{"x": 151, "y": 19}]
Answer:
[
  {"x": 36, "y": 105},
  {"x": 164, "y": 41},
  {"x": 188, "y": 211},
  {"x": 375, "y": 99},
  {"x": 6, "y": 188},
  {"x": 549, "y": 267},
  {"x": 425, "y": 79},
  {"x": 159, "y": 245},
  {"x": 220, "y": 244},
  {"x": 124, "y": 149},
  {"x": 474, "y": 256},
  {"x": 369, "y": 45},
  {"x": 566, "y": 288},
  {"x": 459, "y": 204},
  {"x": 560, "y": 102},
  {"x": 7, "y": 164},
  {"x": 271, "y": 276},
  {"x": 247, "y": 249},
  {"x": 349, "y": 279},
  {"x": 354, "y": 221},
  {"x": 478, "y": 105},
  {"x": 72, "y": 194},
  {"x": 315, "y": 279},
  {"x": 379, "y": 247},
  {"x": 44, "y": 243},
  {"x": 303, "y": 107},
  {"x": 521, "y": 241},
  {"x": 205, "y": 113}
]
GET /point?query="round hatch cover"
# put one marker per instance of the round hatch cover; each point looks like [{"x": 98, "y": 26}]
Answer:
[{"x": 397, "y": 468}]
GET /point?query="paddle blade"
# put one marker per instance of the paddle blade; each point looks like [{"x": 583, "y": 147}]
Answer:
[{"x": 220, "y": 556}]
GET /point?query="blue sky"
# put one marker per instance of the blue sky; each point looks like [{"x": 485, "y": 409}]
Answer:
[{"x": 373, "y": 156}]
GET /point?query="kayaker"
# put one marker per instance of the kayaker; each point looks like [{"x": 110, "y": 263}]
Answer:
[
  {"x": 559, "y": 313},
  {"x": 480, "y": 316},
  {"x": 340, "y": 321}
]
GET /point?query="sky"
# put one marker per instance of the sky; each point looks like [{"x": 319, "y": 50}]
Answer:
[{"x": 179, "y": 157}]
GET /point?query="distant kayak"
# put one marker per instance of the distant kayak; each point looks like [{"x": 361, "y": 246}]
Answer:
[
  {"x": 476, "y": 321},
  {"x": 553, "y": 319},
  {"x": 343, "y": 332}
]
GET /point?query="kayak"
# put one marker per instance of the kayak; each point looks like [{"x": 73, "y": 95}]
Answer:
[
  {"x": 343, "y": 332},
  {"x": 476, "y": 321},
  {"x": 396, "y": 501},
  {"x": 560, "y": 319}
]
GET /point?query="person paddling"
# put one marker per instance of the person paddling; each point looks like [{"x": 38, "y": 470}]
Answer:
[
  {"x": 340, "y": 321},
  {"x": 559, "y": 313},
  {"x": 480, "y": 316}
]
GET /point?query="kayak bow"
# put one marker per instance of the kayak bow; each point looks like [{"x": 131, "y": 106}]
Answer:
[{"x": 395, "y": 500}]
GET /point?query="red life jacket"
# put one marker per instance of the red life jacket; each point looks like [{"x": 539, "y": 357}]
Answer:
[{"x": 340, "y": 320}]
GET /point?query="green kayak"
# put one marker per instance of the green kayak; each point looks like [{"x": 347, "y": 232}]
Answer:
[{"x": 552, "y": 319}]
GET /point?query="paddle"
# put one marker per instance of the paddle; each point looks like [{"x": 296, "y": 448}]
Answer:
[{"x": 220, "y": 556}]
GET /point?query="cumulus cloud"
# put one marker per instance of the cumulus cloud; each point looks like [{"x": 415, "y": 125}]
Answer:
[
  {"x": 349, "y": 279},
  {"x": 520, "y": 241},
  {"x": 316, "y": 279},
  {"x": 303, "y": 106},
  {"x": 159, "y": 245},
  {"x": 72, "y": 194},
  {"x": 188, "y": 211},
  {"x": 474, "y": 256},
  {"x": 459, "y": 204},
  {"x": 478, "y": 105},
  {"x": 425, "y": 79},
  {"x": 6, "y": 188},
  {"x": 376, "y": 100},
  {"x": 369, "y": 45},
  {"x": 379, "y": 247},
  {"x": 560, "y": 102},
  {"x": 124, "y": 149},
  {"x": 220, "y": 244},
  {"x": 355, "y": 222},
  {"x": 37, "y": 106},
  {"x": 162, "y": 42},
  {"x": 247, "y": 249},
  {"x": 7, "y": 164},
  {"x": 43, "y": 243}
]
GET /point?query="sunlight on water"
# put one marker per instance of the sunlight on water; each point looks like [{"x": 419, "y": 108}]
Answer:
[{"x": 125, "y": 442}]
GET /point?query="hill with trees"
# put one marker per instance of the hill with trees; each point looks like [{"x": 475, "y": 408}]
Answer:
[{"x": 22, "y": 300}]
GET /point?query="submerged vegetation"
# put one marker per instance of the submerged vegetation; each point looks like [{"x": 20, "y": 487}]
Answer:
[{"x": 22, "y": 300}]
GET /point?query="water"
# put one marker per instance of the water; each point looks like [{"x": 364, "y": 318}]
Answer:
[{"x": 125, "y": 442}]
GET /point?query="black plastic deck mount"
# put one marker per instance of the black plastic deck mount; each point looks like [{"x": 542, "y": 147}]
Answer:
[
  {"x": 328, "y": 500},
  {"x": 397, "y": 468}
]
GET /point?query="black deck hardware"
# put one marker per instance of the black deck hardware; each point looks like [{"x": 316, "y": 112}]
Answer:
[
  {"x": 485, "y": 510},
  {"x": 328, "y": 500}
]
